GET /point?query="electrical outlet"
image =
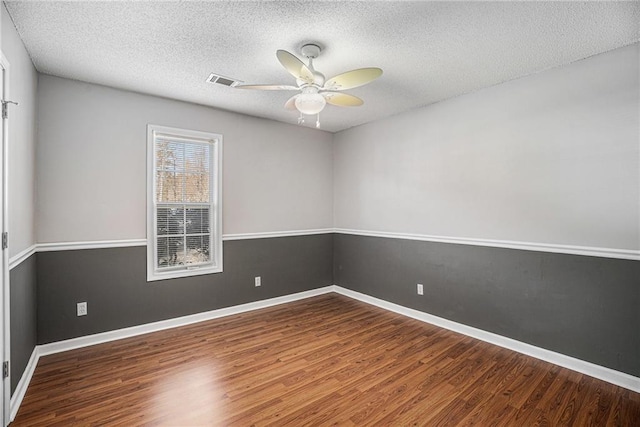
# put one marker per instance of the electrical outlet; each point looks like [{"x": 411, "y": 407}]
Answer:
[
  {"x": 82, "y": 308},
  {"x": 258, "y": 281},
  {"x": 420, "y": 289}
]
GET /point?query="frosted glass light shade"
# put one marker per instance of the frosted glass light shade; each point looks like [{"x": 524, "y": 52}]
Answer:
[{"x": 310, "y": 103}]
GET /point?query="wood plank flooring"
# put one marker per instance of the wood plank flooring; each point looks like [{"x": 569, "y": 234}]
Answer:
[{"x": 327, "y": 360}]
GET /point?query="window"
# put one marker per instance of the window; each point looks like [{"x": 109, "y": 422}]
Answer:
[{"x": 184, "y": 234}]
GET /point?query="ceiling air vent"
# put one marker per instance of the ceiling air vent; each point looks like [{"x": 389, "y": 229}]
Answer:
[{"x": 222, "y": 80}]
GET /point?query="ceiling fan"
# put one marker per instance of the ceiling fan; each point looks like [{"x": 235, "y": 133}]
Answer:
[{"x": 315, "y": 90}]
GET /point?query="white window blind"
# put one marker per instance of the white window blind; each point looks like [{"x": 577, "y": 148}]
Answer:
[{"x": 185, "y": 238}]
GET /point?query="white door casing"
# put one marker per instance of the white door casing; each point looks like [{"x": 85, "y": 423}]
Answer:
[{"x": 4, "y": 261}]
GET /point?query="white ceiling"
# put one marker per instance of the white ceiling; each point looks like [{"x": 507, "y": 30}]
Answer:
[{"x": 429, "y": 51}]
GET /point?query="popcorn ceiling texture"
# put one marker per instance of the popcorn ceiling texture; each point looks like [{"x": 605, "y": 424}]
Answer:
[{"x": 429, "y": 51}]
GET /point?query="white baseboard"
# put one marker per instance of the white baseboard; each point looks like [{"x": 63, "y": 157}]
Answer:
[
  {"x": 85, "y": 341},
  {"x": 606, "y": 374},
  {"x": 21, "y": 388}
]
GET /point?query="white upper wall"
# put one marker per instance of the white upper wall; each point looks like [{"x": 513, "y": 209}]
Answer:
[
  {"x": 22, "y": 87},
  {"x": 551, "y": 158},
  {"x": 91, "y": 162}
]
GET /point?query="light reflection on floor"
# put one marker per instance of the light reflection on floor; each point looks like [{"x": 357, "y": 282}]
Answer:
[{"x": 189, "y": 395}]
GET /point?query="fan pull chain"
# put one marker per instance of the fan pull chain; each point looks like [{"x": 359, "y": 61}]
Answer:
[
  {"x": 318, "y": 121},
  {"x": 301, "y": 119}
]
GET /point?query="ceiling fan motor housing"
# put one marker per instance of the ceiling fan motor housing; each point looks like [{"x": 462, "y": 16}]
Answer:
[{"x": 312, "y": 51}]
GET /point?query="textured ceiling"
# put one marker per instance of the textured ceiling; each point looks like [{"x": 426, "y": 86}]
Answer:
[{"x": 429, "y": 51}]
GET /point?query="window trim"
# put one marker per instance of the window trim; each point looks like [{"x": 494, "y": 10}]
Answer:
[{"x": 216, "y": 142}]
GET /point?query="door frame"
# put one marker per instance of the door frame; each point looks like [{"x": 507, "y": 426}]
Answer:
[{"x": 4, "y": 262}]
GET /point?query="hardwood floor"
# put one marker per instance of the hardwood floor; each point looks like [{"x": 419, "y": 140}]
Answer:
[{"x": 327, "y": 360}]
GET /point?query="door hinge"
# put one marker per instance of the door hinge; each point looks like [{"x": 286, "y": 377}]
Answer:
[
  {"x": 5, "y": 240},
  {"x": 5, "y": 108},
  {"x": 5, "y": 369}
]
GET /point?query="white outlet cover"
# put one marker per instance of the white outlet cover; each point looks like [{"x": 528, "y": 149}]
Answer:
[
  {"x": 420, "y": 289},
  {"x": 81, "y": 308},
  {"x": 258, "y": 281}
]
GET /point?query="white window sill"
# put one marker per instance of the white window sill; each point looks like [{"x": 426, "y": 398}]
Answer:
[{"x": 153, "y": 276}]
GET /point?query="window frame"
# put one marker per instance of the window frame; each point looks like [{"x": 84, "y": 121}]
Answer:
[{"x": 215, "y": 203}]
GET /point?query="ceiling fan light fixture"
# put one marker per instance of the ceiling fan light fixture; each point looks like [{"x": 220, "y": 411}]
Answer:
[
  {"x": 310, "y": 102},
  {"x": 315, "y": 90}
]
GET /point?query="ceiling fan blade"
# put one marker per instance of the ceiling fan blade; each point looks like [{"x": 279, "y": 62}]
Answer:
[
  {"x": 291, "y": 103},
  {"x": 267, "y": 87},
  {"x": 353, "y": 78},
  {"x": 342, "y": 99},
  {"x": 294, "y": 66}
]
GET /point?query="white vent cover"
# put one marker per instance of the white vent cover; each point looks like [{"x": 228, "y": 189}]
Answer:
[{"x": 222, "y": 80}]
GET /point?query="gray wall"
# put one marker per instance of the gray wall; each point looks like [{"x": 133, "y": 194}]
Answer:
[
  {"x": 585, "y": 307},
  {"x": 581, "y": 306},
  {"x": 551, "y": 158},
  {"x": 92, "y": 156},
  {"x": 23, "y": 317},
  {"x": 113, "y": 282}
]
